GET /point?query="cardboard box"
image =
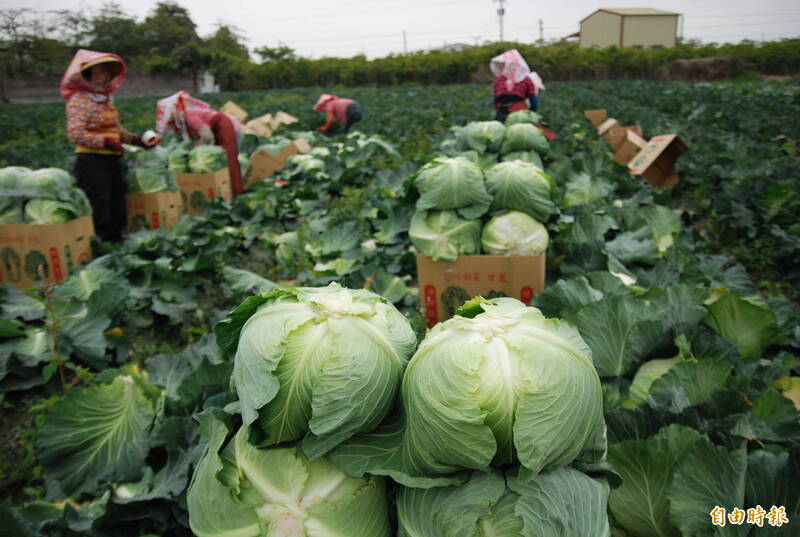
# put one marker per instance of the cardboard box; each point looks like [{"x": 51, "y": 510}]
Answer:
[
  {"x": 595, "y": 116},
  {"x": 656, "y": 160},
  {"x": 153, "y": 211},
  {"x": 630, "y": 145},
  {"x": 285, "y": 119},
  {"x": 264, "y": 164},
  {"x": 258, "y": 127},
  {"x": 233, "y": 109},
  {"x": 196, "y": 188},
  {"x": 616, "y": 135},
  {"x": 608, "y": 127},
  {"x": 444, "y": 286},
  {"x": 300, "y": 145},
  {"x": 30, "y": 253}
]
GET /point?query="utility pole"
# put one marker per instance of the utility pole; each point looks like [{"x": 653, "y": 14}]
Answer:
[
  {"x": 405, "y": 43},
  {"x": 500, "y": 12},
  {"x": 541, "y": 31}
]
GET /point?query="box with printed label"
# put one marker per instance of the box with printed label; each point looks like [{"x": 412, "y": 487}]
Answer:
[
  {"x": 445, "y": 286},
  {"x": 153, "y": 211},
  {"x": 198, "y": 188},
  {"x": 656, "y": 160},
  {"x": 44, "y": 253}
]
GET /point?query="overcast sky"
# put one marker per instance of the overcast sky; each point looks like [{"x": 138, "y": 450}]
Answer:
[{"x": 316, "y": 28}]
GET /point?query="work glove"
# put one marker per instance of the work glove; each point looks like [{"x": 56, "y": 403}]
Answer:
[
  {"x": 113, "y": 144},
  {"x": 206, "y": 136},
  {"x": 138, "y": 142}
]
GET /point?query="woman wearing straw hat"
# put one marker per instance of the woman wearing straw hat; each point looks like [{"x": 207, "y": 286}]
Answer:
[{"x": 93, "y": 125}]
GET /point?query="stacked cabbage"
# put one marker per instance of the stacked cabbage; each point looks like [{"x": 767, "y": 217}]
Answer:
[
  {"x": 45, "y": 196},
  {"x": 149, "y": 170},
  {"x": 456, "y": 194},
  {"x": 497, "y": 428}
]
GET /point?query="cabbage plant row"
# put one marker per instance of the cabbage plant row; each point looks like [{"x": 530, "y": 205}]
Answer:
[{"x": 694, "y": 370}]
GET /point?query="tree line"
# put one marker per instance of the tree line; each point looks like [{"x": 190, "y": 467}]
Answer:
[{"x": 166, "y": 42}]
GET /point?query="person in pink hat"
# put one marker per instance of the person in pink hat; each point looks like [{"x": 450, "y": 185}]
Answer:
[
  {"x": 338, "y": 110},
  {"x": 513, "y": 84},
  {"x": 94, "y": 126},
  {"x": 196, "y": 120}
]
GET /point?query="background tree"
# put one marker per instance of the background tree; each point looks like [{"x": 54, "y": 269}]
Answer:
[
  {"x": 114, "y": 30},
  {"x": 275, "y": 54}
]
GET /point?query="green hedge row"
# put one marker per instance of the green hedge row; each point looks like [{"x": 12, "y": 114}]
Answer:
[{"x": 563, "y": 61}]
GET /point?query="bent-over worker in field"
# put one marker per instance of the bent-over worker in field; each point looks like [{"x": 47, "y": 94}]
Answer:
[
  {"x": 513, "y": 84},
  {"x": 94, "y": 126},
  {"x": 338, "y": 110},
  {"x": 197, "y": 120}
]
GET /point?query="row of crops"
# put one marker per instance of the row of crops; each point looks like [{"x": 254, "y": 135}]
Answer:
[{"x": 130, "y": 381}]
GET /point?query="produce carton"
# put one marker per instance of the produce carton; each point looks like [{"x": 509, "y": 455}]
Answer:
[
  {"x": 300, "y": 145},
  {"x": 630, "y": 145},
  {"x": 153, "y": 211},
  {"x": 616, "y": 135},
  {"x": 197, "y": 188},
  {"x": 233, "y": 109},
  {"x": 264, "y": 164},
  {"x": 595, "y": 116},
  {"x": 47, "y": 253},
  {"x": 285, "y": 119},
  {"x": 656, "y": 161},
  {"x": 258, "y": 127},
  {"x": 607, "y": 127},
  {"x": 445, "y": 286}
]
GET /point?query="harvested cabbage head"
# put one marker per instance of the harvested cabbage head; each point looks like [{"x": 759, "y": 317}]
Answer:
[
  {"x": 443, "y": 235},
  {"x": 482, "y": 136},
  {"x": 521, "y": 186},
  {"x": 525, "y": 136},
  {"x": 497, "y": 384},
  {"x": 207, "y": 159},
  {"x": 452, "y": 183},
  {"x": 514, "y": 233},
  {"x": 320, "y": 364}
]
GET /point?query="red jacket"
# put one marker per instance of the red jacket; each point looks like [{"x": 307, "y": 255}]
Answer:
[{"x": 524, "y": 89}]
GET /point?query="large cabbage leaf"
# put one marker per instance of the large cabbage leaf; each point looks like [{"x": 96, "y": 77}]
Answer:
[
  {"x": 452, "y": 183},
  {"x": 317, "y": 363},
  {"x": 249, "y": 492},
  {"x": 505, "y": 386},
  {"x": 521, "y": 186},
  {"x": 443, "y": 235},
  {"x": 514, "y": 233}
]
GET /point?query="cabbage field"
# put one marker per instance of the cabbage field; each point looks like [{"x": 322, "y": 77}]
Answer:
[{"x": 263, "y": 368}]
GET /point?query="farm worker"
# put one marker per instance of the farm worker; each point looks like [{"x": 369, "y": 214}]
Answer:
[
  {"x": 197, "y": 120},
  {"x": 512, "y": 84},
  {"x": 338, "y": 110},
  {"x": 93, "y": 125}
]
